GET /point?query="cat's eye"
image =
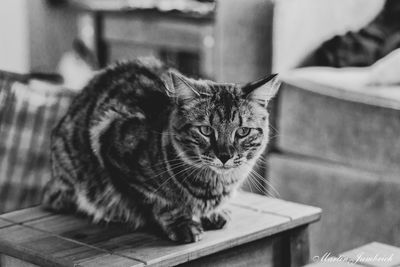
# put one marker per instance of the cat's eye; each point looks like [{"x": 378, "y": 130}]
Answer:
[
  {"x": 205, "y": 130},
  {"x": 242, "y": 131}
]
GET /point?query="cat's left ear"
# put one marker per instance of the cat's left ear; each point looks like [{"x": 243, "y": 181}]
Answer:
[
  {"x": 262, "y": 90},
  {"x": 183, "y": 88}
]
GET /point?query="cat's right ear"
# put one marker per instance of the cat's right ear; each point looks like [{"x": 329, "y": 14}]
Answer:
[
  {"x": 183, "y": 88},
  {"x": 263, "y": 89}
]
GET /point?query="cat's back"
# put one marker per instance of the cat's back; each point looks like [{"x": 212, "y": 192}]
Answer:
[
  {"x": 137, "y": 79},
  {"x": 133, "y": 83},
  {"x": 129, "y": 85}
]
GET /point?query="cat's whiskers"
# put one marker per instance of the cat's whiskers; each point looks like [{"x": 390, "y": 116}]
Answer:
[
  {"x": 253, "y": 184},
  {"x": 250, "y": 183},
  {"x": 273, "y": 128},
  {"x": 257, "y": 178},
  {"x": 268, "y": 185},
  {"x": 274, "y": 136},
  {"x": 176, "y": 158},
  {"x": 165, "y": 182},
  {"x": 191, "y": 173},
  {"x": 172, "y": 167},
  {"x": 261, "y": 160},
  {"x": 174, "y": 163},
  {"x": 194, "y": 166},
  {"x": 171, "y": 161},
  {"x": 166, "y": 132},
  {"x": 259, "y": 186}
]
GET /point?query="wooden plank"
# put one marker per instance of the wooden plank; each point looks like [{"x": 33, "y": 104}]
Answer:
[
  {"x": 83, "y": 231},
  {"x": 15, "y": 241},
  {"x": 29, "y": 214},
  {"x": 299, "y": 213},
  {"x": 156, "y": 251},
  {"x": 257, "y": 253},
  {"x": 108, "y": 261},
  {"x": 43, "y": 249},
  {"x": 79, "y": 229},
  {"x": 8, "y": 261},
  {"x": 375, "y": 254},
  {"x": 4, "y": 224}
]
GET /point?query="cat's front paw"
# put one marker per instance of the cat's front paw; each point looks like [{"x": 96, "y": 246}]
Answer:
[
  {"x": 215, "y": 220},
  {"x": 185, "y": 232}
]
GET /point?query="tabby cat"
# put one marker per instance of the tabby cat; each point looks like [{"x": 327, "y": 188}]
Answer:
[{"x": 144, "y": 145}]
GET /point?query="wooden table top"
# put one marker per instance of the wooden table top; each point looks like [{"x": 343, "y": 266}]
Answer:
[
  {"x": 49, "y": 239},
  {"x": 348, "y": 84}
]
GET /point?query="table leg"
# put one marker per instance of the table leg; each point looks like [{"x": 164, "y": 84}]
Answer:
[{"x": 299, "y": 246}]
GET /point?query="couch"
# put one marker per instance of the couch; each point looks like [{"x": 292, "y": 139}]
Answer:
[{"x": 337, "y": 144}]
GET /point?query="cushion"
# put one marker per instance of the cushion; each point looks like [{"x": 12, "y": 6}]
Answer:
[
  {"x": 28, "y": 112},
  {"x": 333, "y": 115}
]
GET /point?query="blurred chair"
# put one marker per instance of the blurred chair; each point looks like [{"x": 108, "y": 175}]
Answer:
[
  {"x": 337, "y": 145},
  {"x": 231, "y": 43},
  {"x": 28, "y": 111}
]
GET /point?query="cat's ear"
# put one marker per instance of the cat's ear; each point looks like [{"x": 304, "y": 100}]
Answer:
[
  {"x": 183, "y": 87},
  {"x": 262, "y": 90}
]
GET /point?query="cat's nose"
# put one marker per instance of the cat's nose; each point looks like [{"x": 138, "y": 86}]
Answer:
[{"x": 224, "y": 158}]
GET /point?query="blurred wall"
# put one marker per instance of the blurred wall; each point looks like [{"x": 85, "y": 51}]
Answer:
[
  {"x": 34, "y": 35},
  {"x": 51, "y": 33},
  {"x": 14, "y": 40},
  {"x": 300, "y": 26}
]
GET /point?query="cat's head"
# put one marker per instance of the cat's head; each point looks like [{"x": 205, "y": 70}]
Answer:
[{"x": 218, "y": 125}]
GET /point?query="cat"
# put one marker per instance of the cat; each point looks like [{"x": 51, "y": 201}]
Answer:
[{"x": 143, "y": 144}]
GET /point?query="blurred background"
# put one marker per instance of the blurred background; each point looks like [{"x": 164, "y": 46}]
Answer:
[{"x": 335, "y": 123}]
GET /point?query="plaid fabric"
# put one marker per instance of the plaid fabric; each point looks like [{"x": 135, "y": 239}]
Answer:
[{"x": 27, "y": 115}]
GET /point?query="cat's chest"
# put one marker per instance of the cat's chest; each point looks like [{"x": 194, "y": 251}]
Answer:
[{"x": 206, "y": 206}]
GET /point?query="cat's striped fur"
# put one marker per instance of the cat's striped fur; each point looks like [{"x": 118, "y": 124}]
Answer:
[{"x": 142, "y": 144}]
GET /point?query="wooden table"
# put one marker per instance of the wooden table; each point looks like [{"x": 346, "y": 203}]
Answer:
[{"x": 263, "y": 232}]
